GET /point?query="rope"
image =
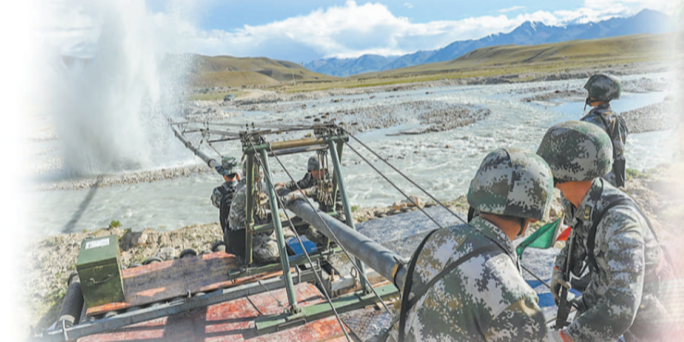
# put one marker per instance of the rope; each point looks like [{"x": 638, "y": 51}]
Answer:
[
  {"x": 320, "y": 281},
  {"x": 334, "y": 236}
]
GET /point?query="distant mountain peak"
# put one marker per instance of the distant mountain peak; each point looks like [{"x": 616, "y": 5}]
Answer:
[{"x": 528, "y": 33}]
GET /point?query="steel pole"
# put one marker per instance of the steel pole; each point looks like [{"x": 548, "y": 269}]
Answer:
[
  {"x": 347, "y": 208},
  {"x": 387, "y": 263},
  {"x": 211, "y": 162},
  {"x": 275, "y": 217}
]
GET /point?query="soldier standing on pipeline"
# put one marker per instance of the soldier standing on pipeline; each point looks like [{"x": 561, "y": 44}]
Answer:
[
  {"x": 464, "y": 283},
  {"x": 265, "y": 246},
  {"x": 601, "y": 89},
  {"x": 626, "y": 263},
  {"x": 222, "y": 196}
]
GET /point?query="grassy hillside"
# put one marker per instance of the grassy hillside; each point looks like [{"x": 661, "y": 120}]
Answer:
[
  {"x": 544, "y": 57},
  {"x": 223, "y": 71},
  {"x": 522, "y": 60}
]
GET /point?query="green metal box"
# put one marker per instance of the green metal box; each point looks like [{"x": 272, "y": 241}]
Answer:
[{"x": 99, "y": 268}]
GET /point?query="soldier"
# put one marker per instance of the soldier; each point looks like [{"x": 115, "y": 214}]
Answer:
[
  {"x": 603, "y": 88},
  {"x": 464, "y": 283},
  {"x": 625, "y": 260},
  {"x": 265, "y": 246},
  {"x": 311, "y": 178},
  {"x": 312, "y": 182},
  {"x": 222, "y": 196}
]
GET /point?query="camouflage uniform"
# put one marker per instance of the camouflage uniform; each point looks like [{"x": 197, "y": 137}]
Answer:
[
  {"x": 222, "y": 198},
  {"x": 222, "y": 195},
  {"x": 604, "y": 87},
  {"x": 622, "y": 296},
  {"x": 625, "y": 287},
  {"x": 597, "y": 116},
  {"x": 265, "y": 246},
  {"x": 310, "y": 184},
  {"x": 485, "y": 297}
]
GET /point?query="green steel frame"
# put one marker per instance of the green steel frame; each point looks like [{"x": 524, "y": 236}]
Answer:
[{"x": 252, "y": 143}]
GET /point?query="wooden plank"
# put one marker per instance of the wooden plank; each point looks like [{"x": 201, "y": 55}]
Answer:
[
  {"x": 230, "y": 321},
  {"x": 173, "y": 278},
  {"x": 272, "y": 323}
]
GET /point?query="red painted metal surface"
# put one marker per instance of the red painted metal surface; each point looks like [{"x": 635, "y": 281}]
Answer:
[
  {"x": 173, "y": 278},
  {"x": 231, "y": 321}
]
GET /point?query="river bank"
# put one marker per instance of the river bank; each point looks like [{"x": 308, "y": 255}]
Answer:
[{"x": 52, "y": 259}]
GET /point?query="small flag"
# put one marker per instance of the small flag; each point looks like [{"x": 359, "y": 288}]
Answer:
[
  {"x": 565, "y": 234},
  {"x": 543, "y": 238}
]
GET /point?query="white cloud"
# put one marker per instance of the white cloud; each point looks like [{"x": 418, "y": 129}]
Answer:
[
  {"x": 511, "y": 9},
  {"x": 408, "y": 5},
  {"x": 351, "y": 30}
]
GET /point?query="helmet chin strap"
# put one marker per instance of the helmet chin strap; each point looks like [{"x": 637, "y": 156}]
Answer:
[
  {"x": 522, "y": 226},
  {"x": 586, "y": 102}
]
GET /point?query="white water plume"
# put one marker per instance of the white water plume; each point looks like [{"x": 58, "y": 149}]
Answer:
[{"x": 113, "y": 79}]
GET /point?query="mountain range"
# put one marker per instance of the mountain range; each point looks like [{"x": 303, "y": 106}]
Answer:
[{"x": 528, "y": 33}]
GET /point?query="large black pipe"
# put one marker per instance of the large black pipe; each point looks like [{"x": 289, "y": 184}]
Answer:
[
  {"x": 70, "y": 312},
  {"x": 387, "y": 263}
]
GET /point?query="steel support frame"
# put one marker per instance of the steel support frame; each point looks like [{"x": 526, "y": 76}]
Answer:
[
  {"x": 249, "y": 208},
  {"x": 354, "y": 301},
  {"x": 347, "y": 208},
  {"x": 282, "y": 248}
]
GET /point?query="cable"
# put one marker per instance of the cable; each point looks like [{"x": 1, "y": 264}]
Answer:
[
  {"x": 403, "y": 175},
  {"x": 333, "y": 234},
  {"x": 424, "y": 191},
  {"x": 325, "y": 291},
  {"x": 395, "y": 186}
]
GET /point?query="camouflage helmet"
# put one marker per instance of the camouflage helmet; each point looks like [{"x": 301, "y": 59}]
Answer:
[
  {"x": 512, "y": 182},
  {"x": 313, "y": 164},
  {"x": 576, "y": 151},
  {"x": 603, "y": 87},
  {"x": 229, "y": 166}
]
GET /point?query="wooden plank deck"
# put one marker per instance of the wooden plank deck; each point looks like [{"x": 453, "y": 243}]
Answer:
[
  {"x": 231, "y": 321},
  {"x": 173, "y": 278}
]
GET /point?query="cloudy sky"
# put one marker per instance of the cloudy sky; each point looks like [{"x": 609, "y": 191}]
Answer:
[{"x": 302, "y": 31}]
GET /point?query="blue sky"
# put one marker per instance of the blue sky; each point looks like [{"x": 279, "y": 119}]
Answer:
[
  {"x": 232, "y": 14},
  {"x": 301, "y": 31}
]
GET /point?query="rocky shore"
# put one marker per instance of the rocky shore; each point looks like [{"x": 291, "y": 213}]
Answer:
[
  {"x": 124, "y": 178},
  {"x": 655, "y": 117}
]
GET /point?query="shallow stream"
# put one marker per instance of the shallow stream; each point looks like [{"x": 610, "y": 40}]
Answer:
[{"x": 443, "y": 163}]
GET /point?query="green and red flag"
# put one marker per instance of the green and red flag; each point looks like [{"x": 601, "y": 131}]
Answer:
[{"x": 545, "y": 237}]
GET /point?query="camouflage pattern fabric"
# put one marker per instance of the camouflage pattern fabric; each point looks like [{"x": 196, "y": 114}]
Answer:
[
  {"x": 625, "y": 288},
  {"x": 603, "y": 87},
  {"x": 576, "y": 151},
  {"x": 237, "y": 216},
  {"x": 617, "y": 132},
  {"x": 304, "y": 183},
  {"x": 483, "y": 299},
  {"x": 512, "y": 182},
  {"x": 265, "y": 248},
  {"x": 309, "y": 185},
  {"x": 225, "y": 189}
]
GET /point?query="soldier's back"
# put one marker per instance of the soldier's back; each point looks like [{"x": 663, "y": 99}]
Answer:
[{"x": 485, "y": 298}]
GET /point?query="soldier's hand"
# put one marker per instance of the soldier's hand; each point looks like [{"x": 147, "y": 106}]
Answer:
[
  {"x": 558, "y": 280},
  {"x": 293, "y": 196}
]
